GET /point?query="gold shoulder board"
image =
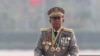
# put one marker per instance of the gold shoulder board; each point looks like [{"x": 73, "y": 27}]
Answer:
[
  {"x": 44, "y": 29},
  {"x": 68, "y": 29}
]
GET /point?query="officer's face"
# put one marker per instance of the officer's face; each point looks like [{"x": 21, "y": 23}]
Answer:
[{"x": 57, "y": 21}]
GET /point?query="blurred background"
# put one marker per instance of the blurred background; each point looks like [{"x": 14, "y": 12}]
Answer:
[{"x": 21, "y": 20}]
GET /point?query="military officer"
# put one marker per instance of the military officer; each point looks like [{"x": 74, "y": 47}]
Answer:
[{"x": 57, "y": 40}]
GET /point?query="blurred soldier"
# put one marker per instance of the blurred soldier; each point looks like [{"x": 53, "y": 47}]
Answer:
[{"x": 57, "y": 40}]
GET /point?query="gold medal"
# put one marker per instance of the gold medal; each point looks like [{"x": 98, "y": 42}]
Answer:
[
  {"x": 53, "y": 49},
  {"x": 58, "y": 49},
  {"x": 43, "y": 42},
  {"x": 46, "y": 47}
]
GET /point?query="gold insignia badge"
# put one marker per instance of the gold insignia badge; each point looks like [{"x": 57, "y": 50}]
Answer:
[
  {"x": 46, "y": 47},
  {"x": 58, "y": 49},
  {"x": 53, "y": 49},
  {"x": 56, "y": 10}
]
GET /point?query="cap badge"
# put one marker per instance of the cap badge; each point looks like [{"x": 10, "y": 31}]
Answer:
[{"x": 56, "y": 10}]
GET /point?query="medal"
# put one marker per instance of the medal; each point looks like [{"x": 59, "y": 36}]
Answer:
[
  {"x": 46, "y": 47},
  {"x": 63, "y": 41},
  {"x": 43, "y": 42},
  {"x": 55, "y": 40},
  {"x": 49, "y": 43},
  {"x": 63, "y": 47},
  {"x": 68, "y": 38},
  {"x": 53, "y": 49},
  {"x": 58, "y": 49}
]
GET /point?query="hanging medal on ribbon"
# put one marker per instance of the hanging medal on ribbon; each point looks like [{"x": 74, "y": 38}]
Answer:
[{"x": 55, "y": 39}]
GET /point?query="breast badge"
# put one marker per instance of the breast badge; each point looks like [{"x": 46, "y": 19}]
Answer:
[{"x": 46, "y": 47}]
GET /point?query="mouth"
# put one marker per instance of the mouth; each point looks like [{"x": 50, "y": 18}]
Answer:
[{"x": 56, "y": 22}]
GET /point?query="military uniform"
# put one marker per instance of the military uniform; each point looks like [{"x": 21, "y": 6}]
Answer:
[{"x": 62, "y": 44}]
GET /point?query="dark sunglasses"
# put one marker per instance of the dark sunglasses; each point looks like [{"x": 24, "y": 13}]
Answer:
[{"x": 56, "y": 17}]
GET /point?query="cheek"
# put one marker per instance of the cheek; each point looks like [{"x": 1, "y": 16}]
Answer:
[
  {"x": 62, "y": 20},
  {"x": 50, "y": 21}
]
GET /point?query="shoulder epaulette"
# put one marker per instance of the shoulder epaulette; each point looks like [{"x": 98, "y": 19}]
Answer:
[
  {"x": 44, "y": 29},
  {"x": 68, "y": 29}
]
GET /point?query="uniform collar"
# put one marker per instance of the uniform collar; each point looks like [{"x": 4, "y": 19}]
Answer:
[{"x": 57, "y": 30}]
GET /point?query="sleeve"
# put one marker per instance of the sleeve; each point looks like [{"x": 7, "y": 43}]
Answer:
[
  {"x": 73, "y": 47},
  {"x": 38, "y": 51}
]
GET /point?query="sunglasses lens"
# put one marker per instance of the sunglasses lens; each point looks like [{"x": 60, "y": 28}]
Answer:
[{"x": 55, "y": 17}]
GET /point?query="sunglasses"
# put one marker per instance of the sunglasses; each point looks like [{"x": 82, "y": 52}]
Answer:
[{"x": 56, "y": 17}]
